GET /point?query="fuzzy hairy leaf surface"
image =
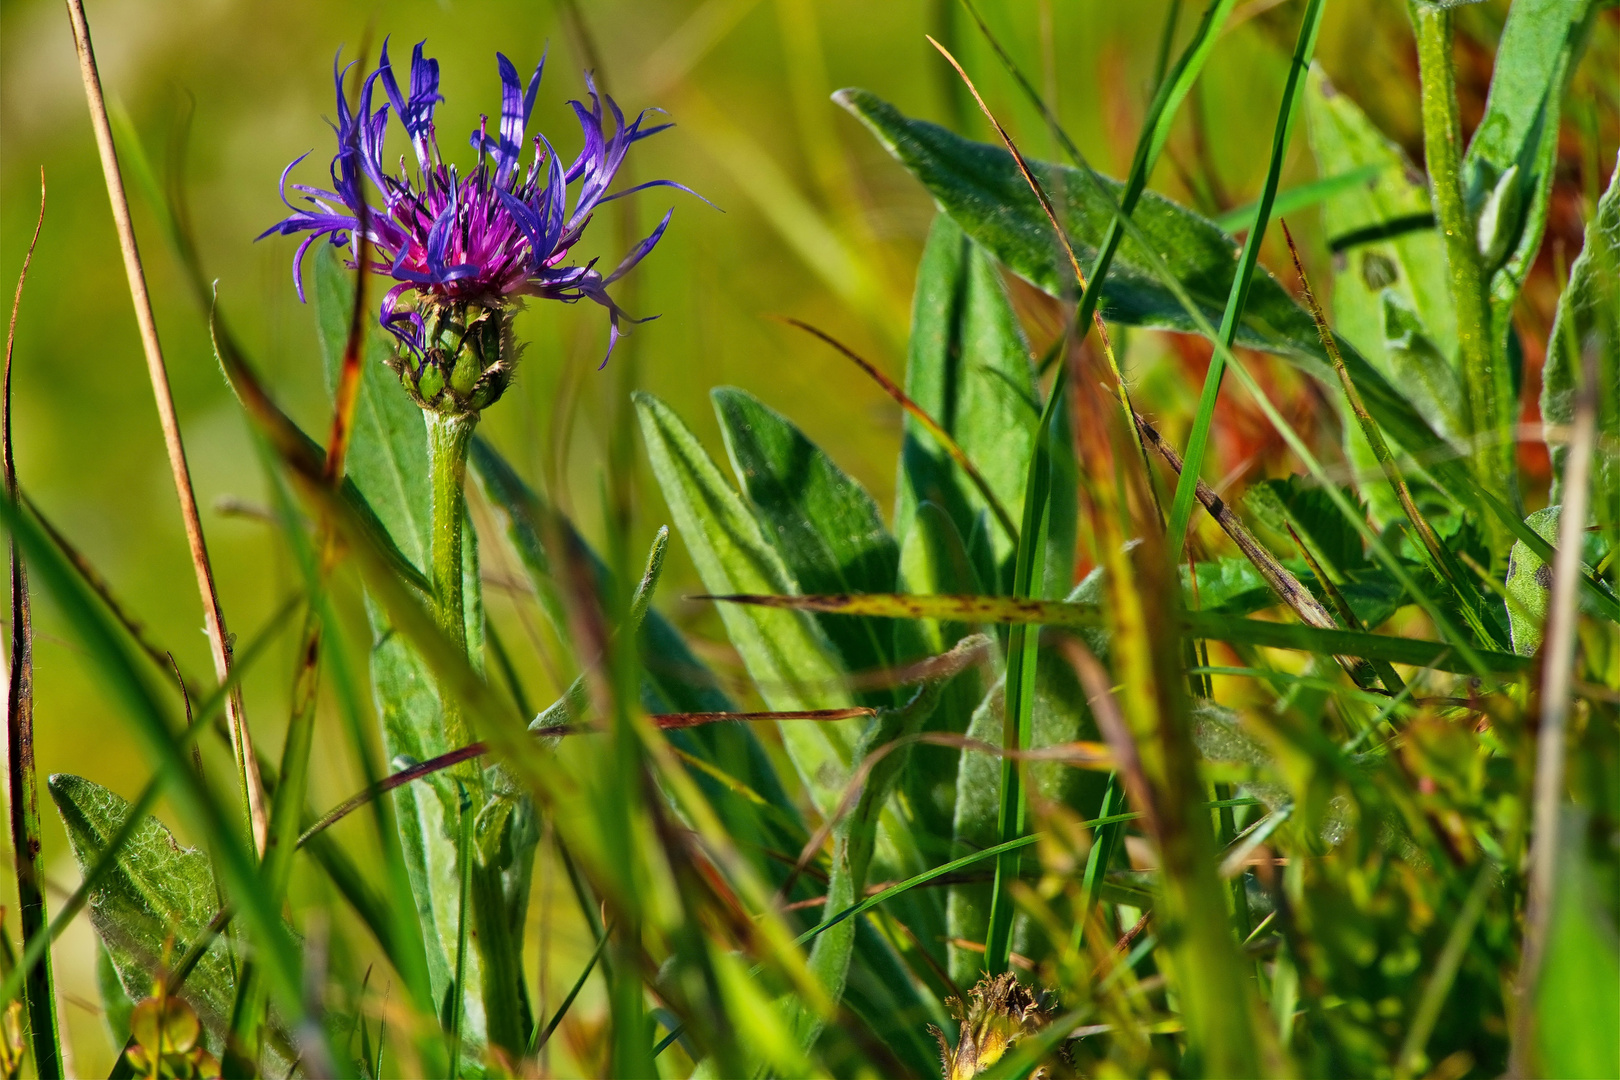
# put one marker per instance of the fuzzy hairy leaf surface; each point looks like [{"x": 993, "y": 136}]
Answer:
[
  {"x": 789, "y": 657},
  {"x": 157, "y": 900},
  {"x": 968, "y": 367},
  {"x": 1589, "y": 318},
  {"x": 1391, "y": 297},
  {"x": 824, "y": 525}
]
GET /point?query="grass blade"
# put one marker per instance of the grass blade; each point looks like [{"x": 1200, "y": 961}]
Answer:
[
  {"x": 1182, "y": 505},
  {"x": 1014, "y": 611}
]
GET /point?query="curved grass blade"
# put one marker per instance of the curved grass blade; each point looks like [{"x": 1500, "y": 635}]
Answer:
[{"x": 22, "y": 789}]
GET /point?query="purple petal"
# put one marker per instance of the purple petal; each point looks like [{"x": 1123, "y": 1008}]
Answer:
[
  {"x": 653, "y": 184},
  {"x": 640, "y": 251}
]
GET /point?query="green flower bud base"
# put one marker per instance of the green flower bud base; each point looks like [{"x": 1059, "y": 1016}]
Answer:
[{"x": 469, "y": 358}]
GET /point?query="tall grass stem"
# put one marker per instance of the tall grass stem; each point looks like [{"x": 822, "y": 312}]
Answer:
[{"x": 250, "y": 783}]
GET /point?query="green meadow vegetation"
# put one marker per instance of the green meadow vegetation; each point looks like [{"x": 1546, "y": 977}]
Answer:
[{"x": 1103, "y": 565}]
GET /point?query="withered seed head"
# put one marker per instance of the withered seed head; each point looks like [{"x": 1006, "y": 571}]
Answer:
[{"x": 999, "y": 1012}]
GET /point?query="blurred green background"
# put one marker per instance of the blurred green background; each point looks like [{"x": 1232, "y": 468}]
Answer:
[{"x": 817, "y": 223}]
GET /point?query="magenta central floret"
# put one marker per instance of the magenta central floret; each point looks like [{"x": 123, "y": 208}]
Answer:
[{"x": 463, "y": 248}]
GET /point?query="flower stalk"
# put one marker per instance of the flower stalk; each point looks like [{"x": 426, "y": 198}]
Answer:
[{"x": 448, "y": 440}]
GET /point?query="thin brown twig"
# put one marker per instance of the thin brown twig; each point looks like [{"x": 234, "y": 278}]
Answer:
[
  {"x": 918, "y": 413},
  {"x": 663, "y": 721},
  {"x": 219, "y": 641},
  {"x": 1289, "y": 589}
]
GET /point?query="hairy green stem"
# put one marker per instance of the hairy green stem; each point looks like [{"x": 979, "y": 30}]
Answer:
[
  {"x": 449, "y": 438},
  {"x": 498, "y": 942},
  {"x": 1487, "y": 384}
]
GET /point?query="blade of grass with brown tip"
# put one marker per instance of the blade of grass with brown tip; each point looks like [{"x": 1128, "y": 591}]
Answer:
[{"x": 22, "y": 788}]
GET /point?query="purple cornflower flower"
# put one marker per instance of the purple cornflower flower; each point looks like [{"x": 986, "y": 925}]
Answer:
[{"x": 464, "y": 250}]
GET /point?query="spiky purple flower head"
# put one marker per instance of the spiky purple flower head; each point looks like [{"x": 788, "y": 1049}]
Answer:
[{"x": 464, "y": 250}]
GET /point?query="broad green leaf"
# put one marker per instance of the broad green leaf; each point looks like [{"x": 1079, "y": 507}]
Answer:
[
  {"x": 155, "y": 903},
  {"x": 1589, "y": 318},
  {"x": 1578, "y": 994},
  {"x": 969, "y": 368},
  {"x": 792, "y": 662},
  {"x": 824, "y": 525},
  {"x": 1391, "y": 295},
  {"x": 1509, "y": 165},
  {"x": 116, "y": 1004},
  {"x": 830, "y": 536},
  {"x": 981, "y": 188},
  {"x": 1529, "y": 581},
  {"x": 1411, "y": 265},
  {"x": 788, "y": 656}
]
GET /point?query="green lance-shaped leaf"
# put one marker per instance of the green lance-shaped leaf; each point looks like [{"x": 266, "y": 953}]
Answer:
[
  {"x": 1589, "y": 318},
  {"x": 1509, "y": 166},
  {"x": 1391, "y": 299},
  {"x": 824, "y": 525},
  {"x": 387, "y": 458},
  {"x": 981, "y": 188},
  {"x": 830, "y": 535},
  {"x": 788, "y": 656},
  {"x": 154, "y": 904},
  {"x": 968, "y": 367}
]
